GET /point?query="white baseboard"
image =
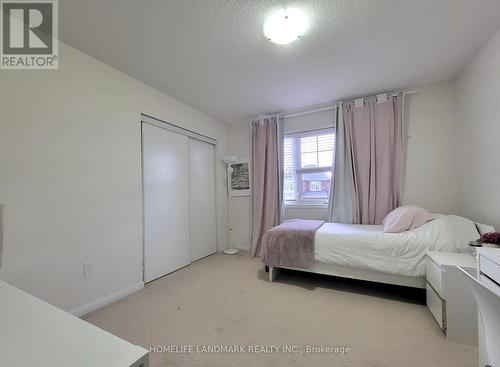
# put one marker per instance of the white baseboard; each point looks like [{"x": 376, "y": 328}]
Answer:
[
  {"x": 106, "y": 300},
  {"x": 242, "y": 247}
]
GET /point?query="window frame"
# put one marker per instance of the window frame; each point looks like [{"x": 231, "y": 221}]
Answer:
[
  {"x": 301, "y": 201},
  {"x": 317, "y": 186}
]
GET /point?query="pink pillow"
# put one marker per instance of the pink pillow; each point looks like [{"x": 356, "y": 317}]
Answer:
[{"x": 405, "y": 218}]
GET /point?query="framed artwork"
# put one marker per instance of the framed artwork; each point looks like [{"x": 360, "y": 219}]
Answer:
[{"x": 240, "y": 178}]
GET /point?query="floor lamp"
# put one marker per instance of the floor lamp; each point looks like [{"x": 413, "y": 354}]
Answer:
[{"x": 229, "y": 160}]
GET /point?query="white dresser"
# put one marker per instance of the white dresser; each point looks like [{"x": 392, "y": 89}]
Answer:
[
  {"x": 488, "y": 269},
  {"x": 488, "y": 273},
  {"x": 34, "y": 333},
  {"x": 450, "y": 302}
]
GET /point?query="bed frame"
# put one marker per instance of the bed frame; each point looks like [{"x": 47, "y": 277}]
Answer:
[
  {"x": 368, "y": 275},
  {"x": 352, "y": 273}
]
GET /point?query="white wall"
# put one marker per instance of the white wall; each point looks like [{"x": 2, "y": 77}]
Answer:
[
  {"x": 70, "y": 176},
  {"x": 431, "y": 172},
  {"x": 310, "y": 121},
  {"x": 307, "y": 212},
  {"x": 478, "y": 146},
  {"x": 431, "y": 180}
]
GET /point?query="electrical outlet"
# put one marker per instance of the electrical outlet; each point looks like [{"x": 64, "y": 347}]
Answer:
[{"x": 88, "y": 269}]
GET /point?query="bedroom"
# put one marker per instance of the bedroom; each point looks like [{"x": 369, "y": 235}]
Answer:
[{"x": 74, "y": 162}]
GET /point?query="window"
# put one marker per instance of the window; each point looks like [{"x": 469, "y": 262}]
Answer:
[
  {"x": 308, "y": 160},
  {"x": 315, "y": 186}
]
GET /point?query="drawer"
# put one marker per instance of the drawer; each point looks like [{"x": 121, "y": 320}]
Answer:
[
  {"x": 488, "y": 283},
  {"x": 437, "y": 306},
  {"x": 489, "y": 268},
  {"x": 434, "y": 276}
]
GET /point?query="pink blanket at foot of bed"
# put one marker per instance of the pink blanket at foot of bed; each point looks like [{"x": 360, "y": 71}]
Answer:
[{"x": 291, "y": 243}]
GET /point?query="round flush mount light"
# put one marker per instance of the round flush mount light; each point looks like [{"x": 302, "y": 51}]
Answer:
[{"x": 285, "y": 26}]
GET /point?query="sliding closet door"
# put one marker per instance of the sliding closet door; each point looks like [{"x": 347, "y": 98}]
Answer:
[
  {"x": 166, "y": 201},
  {"x": 202, "y": 199}
]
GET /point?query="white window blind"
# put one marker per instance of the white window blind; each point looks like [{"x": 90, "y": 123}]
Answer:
[{"x": 308, "y": 161}]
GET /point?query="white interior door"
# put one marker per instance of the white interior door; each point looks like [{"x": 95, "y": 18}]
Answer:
[
  {"x": 203, "y": 235},
  {"x": 166, "y": 201}
]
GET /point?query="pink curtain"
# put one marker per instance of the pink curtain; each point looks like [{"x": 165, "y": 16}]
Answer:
[
  {"x": 265, "y": 180},
  {"x": 375, "y": 149}
]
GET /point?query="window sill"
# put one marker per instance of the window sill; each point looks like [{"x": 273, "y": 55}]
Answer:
[{"x": 306, "y": 206}]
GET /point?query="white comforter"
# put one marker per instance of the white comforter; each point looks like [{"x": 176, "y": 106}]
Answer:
[{"x": 368, "y": 247}]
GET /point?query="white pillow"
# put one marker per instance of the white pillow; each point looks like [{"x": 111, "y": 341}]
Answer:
[
  {"x": 484, "y": 228},
  {"x": 405, "y": 218}
]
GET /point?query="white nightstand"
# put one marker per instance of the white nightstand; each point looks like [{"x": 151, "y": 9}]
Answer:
[
  {"x": 450, "y": 301},
  {"x": 488, "y": 273}
]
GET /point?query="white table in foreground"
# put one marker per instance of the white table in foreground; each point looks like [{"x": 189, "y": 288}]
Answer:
[
  {"x": 34, "y": 333},
  {"x": 449, "y": 299}
]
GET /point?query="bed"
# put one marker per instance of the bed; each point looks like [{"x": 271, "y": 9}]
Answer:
[{"x": 365, "y": 252}]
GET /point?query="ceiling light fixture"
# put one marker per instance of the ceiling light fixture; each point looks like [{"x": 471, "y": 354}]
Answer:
[{"x": 285, "y": 26}]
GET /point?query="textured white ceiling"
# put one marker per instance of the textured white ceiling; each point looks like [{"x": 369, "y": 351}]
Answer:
[{"x": 212, "y": 55}]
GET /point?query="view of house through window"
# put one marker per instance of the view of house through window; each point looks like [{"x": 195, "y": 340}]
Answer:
[{"x": 308, "y": 160}]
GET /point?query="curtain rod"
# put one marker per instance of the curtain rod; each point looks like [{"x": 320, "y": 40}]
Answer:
[
  {"x": 405, "y": 92},
  {"x": 329, "y": 108}
]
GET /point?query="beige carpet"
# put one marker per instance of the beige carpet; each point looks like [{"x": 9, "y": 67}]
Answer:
[{"x": 227, "y": 300}]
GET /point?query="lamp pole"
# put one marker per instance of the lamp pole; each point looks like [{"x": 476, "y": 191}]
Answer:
[{"x": 229, "y": 250}]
